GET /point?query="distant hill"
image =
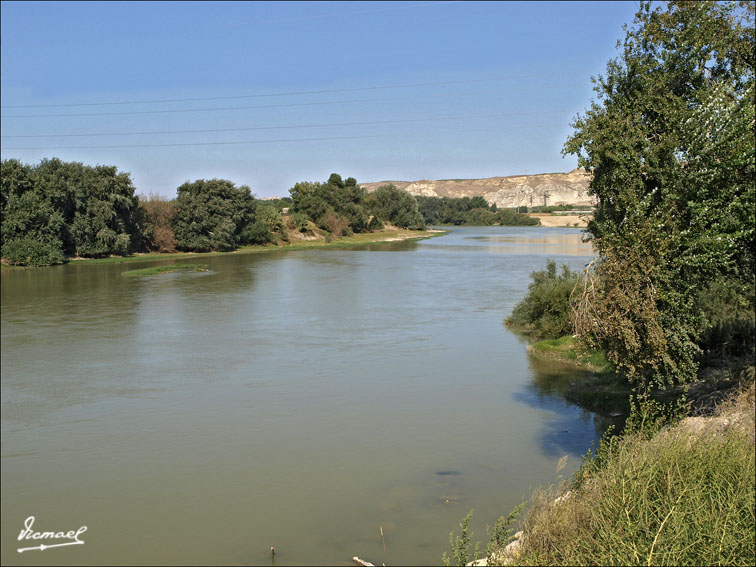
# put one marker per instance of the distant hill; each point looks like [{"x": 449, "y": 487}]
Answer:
[{"x": 513, "y": 191}]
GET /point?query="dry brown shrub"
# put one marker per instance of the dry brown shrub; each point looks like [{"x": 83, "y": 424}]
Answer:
[
  {"x": 159, "y": 212},
  {"x": 163, "y": 239},
  {"x": 335, "y": 224}
]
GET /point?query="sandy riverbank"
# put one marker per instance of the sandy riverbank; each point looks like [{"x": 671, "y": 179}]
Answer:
[{"x": 580, "y": 221}]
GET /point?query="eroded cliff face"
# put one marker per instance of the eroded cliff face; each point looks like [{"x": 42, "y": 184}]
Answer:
[{"x": 514, "y": 191}]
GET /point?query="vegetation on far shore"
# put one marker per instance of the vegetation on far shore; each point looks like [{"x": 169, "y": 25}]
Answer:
[
  {"x": 56, "y": 211},
  {"x": 470, "y": 211}
]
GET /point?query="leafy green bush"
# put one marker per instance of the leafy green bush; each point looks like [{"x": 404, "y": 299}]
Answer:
[
  {"x": 300, "y": 221},
  {"x": 211, "y": 214},
  {"x": 728, "y": 309},
  {"x": 460, "y": 545},
  {"x": 88, "y": 211},
  {"x": 331, "y": 204},
  {"x": 256, "y": 233},
  {"x": 28, "y": 251},
  {"x": 270, "y": 216},
  {"x": 375, "y": 224},
  {"x": 396, "y": 206},
  {"x": 508, "y": 217},
  {"x": 546, "y": 307},
  {"x": 473, "y": 211}
]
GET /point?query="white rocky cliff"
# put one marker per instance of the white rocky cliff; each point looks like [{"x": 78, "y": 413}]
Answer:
[{"x": 514, "y": 191}]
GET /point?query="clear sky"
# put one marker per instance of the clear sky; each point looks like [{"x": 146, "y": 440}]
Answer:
[{"x": 292, "y": 91}]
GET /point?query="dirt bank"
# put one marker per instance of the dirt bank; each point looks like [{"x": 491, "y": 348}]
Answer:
[{"x": 580, "y": 221}]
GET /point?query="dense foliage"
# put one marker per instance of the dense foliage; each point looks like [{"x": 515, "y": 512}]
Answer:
[
  {"x": 56, "y": 208},
  {"x": 469, "y": 211},
  {"x": 396, "y": 206},
  {"x": 546, "y": 307},
  {"x": 212, "y": 215},
  {"x": 335, "y": 206},
  {"x": 342, "y": 207},
  {"x": 555, "y": 208},
  {"x": 671, "y": 147}
]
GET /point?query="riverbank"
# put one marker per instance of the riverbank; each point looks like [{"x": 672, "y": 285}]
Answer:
[
  {"x": 598, "y": 389},
  {"x": 314, "y": 240},
  {"x": 683, "y": 496},
  {"x": 567, "y": 221},
  {"x": 665, "y": 493}
]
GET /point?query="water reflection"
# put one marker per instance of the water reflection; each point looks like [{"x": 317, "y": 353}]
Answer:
[
  {"x": 277, "y": 390},
  {"x": 551, "y": 380}
]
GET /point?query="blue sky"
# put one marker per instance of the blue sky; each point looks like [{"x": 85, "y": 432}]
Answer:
[{"x": 403, "y": 90}]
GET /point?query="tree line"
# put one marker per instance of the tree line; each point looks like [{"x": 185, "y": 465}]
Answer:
[
  {"x": 469, "y": 211},
  {"x": 56, "y": 209}
]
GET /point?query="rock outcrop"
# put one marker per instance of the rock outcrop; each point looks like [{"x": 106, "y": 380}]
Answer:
[{"x": 514, "y": 191}]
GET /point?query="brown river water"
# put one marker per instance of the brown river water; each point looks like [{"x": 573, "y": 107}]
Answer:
[{"x": 303, "y": 400}]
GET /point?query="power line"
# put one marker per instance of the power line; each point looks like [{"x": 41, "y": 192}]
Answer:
[
  {"x": 289, "y": 93},
  {"x": 292, "y": 126},
  {"x": 242, "y": 141},
  {"x": 193, "y": 143},
  {"x": 198, "y": 109},
  {"x": 293, "y": 104}
]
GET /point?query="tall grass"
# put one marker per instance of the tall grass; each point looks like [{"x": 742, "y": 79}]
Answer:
[{"x": 682, "y": 497}]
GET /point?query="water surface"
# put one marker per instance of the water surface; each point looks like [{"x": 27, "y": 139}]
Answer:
[{"x": 301, "y": 400}]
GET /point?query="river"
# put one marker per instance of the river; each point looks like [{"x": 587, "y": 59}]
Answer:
[{"x": 303, "y": 400}]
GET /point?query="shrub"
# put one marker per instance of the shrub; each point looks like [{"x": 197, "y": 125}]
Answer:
[
  {"x": 397, "y": 207},
  {"x": 28, "y": 251},
  {"x": 257, "y": 233},
  {"x": 163, "y": 239},
  {"x": 159, "y": 212},
  {"x": 357, "y": 217},
  {"x": 300, "y": 221},
  {"x": 270, "y": 216},
  {"x": 211, "y": 214},
  {"x": 546, "y": 307},
  {"x": 728, "y": 309},
  {"x": 375, "y": 224},
  {"x": 508, "y": 217},
  {"x": 334, "y": 223}
]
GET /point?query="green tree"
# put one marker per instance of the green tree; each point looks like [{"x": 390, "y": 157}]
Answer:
[
  {"x": 671, "y": 148},
  {"x": 396, "y": 206},
  {"x": 211, "y": 215},
  {"x": 468, "y": 211},
  {"x": 257, "y": 232},
  {"x": 107, "y": 215},
  {"x": 268, "y": 215},
  {"x": 311, "y": 199},
  {"x": 33, "y": 230},
  {"x": 336, "y": 204},
  {"x": 57, "y": 208}
]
